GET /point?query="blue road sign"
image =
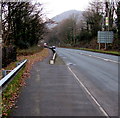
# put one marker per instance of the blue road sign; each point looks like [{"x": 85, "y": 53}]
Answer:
[{"x": 105, "y": 36}]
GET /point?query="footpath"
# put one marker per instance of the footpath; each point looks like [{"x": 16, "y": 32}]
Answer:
[{"x": 52, "y": 90}]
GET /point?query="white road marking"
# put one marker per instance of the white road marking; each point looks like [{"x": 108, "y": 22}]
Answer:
[
  {"x": 90, "y": 55},
  {"x": 88, "y": 92},
  {"x": 100, "y": 58},
  {"x": 70, "y": 64},
  {"x": 106, "y": 59}
]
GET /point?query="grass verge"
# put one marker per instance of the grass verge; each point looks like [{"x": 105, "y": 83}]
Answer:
[
  {"x": 11, "y": 93},
  {"x": 29, "y": 51},
  {"x": 101, "y": 51},
  {"x": 96, "y": 50}
]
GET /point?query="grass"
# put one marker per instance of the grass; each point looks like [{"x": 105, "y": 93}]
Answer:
[
  {"x": 11, "y": 66},
  {"x": 29, "y": 51},
  {"x": 22, "y": 52},
  {"x": 11, "y": 93},
  {"x": 101, "y": 51}
]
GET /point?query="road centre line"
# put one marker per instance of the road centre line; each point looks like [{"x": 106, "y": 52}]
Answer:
[
  {"x": 100, "y": 58},
  {"x": 88, "y": 92}
]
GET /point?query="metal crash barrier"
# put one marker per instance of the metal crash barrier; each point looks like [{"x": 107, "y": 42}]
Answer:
[
  {"x": 52, "y": 61},
  {"x": 12, "y": 73}
]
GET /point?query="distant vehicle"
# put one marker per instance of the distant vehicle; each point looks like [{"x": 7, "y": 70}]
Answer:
[{"x": 50, "y": 47}]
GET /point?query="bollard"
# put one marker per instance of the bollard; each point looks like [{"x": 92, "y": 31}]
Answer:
[{"x": 51, "y": 61}]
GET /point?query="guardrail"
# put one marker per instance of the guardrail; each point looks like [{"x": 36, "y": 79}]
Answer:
[
  {"x": 52, "y": 61},
  {"x": 5, "y": 79}
]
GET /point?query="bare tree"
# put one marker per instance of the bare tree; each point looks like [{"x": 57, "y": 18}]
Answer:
[
  {"x": 67, "y": 30},
  {"x": 118, "y": 19},
  {"x": 23, "y": 24},
  {"x": 93, "y": 17}
]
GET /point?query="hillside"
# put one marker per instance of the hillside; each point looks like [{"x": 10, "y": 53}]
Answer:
[{"x": 64, "y": 16}]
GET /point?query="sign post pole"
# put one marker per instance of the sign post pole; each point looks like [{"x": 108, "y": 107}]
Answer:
[
  {"x": 105, "y": 46},
  {"x": 99, "y": 46},
  {"x": 105, "y": 37},
  {"x": 107, "y": 24}
]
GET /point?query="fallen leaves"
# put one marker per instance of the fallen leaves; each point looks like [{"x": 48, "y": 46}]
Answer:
[{"x": 9, "y": 98}]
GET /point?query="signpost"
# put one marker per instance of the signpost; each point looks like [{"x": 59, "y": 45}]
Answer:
[
  {"x": 107, "y": 21},
  {"x": 105, "y": 37}
]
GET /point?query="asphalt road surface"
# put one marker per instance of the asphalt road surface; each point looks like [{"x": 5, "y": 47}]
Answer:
[
  {"x": 98, "y": 75},
  {"x": 80, "y": 83},
  {"x": 52, "y": 90}
]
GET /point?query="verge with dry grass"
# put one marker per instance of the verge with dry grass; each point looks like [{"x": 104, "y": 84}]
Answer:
[{"x": 11, "y": 93}]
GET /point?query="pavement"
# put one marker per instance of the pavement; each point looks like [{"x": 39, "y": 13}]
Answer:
[{"x": 52, "y": 90}]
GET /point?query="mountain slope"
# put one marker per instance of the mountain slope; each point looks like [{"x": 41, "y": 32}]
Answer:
[{"x": 64, "y": 16}]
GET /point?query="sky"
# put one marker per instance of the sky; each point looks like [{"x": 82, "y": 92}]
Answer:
[{"x": 55, "y": 7}]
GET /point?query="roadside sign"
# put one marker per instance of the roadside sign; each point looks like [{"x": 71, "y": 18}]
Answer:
[{"x": 105, "y": 36}]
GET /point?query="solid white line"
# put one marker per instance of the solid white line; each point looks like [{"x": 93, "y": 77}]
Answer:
[{"x": 88, "y": 92}]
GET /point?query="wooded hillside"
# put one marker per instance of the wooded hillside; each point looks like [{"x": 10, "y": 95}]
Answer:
[{"x": 83, "y": 33}]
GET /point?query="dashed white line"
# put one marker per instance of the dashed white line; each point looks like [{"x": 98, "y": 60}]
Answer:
[
  {"x": 90, "y": 55},
  {"x": 68, "y": 64},
  {"x": 88, "y": 92},
  {"x": 100, "y": 58},
  {"x": 106, "y": 59}
]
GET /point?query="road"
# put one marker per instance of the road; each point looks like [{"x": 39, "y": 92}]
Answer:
[
  {"x": 98, "y": 75},
  {"x": 80, "y": 83},
  {"x": 52, "y": 90}
]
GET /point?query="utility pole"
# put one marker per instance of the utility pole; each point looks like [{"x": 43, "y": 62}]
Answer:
[{"x": 0, "y": 18}]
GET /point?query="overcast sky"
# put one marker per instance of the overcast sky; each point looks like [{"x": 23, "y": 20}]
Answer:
[{"x": 55, "y": 7}]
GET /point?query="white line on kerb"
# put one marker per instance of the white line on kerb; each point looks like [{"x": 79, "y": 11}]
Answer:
[{"x": 88, "y": 92}]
